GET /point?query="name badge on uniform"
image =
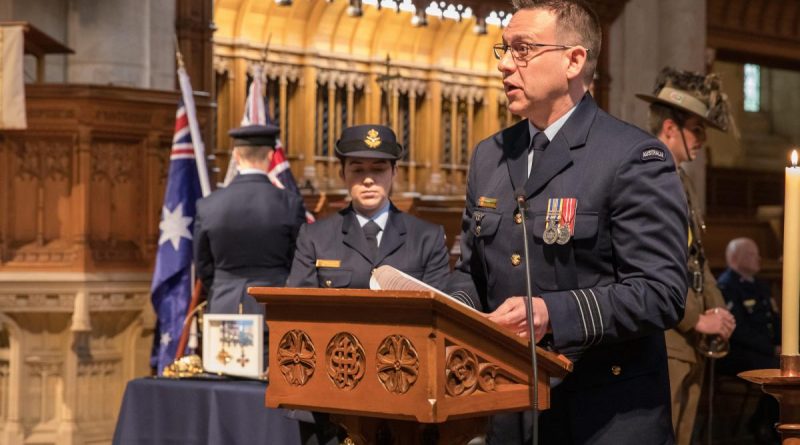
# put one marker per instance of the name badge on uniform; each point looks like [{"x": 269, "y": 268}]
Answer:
[
  {"x": 489, "y": 203},
  {"x": 333, "y": 264},
  {"x": 566, "y": 222}
]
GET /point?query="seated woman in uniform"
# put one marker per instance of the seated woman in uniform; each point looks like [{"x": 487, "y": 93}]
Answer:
[{"x": 343, "y": 249}]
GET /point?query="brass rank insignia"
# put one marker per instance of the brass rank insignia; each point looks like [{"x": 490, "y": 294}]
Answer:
[
  {"x": 329, "y": 263},
  {"x": 489, "y": 203},
  {"x": 373, "y": 139}
]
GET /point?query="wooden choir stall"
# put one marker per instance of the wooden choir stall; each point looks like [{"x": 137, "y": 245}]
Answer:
[{"x": 397, "y": 367}]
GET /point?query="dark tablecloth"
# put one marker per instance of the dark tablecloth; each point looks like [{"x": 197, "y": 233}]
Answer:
[{"x": 164, "y": 411}]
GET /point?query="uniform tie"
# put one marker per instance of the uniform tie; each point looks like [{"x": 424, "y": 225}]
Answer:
[
  {"x": 540, "y": 142},
  {"x": 371, "y": 230}
]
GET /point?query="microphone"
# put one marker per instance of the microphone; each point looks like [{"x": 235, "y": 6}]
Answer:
[{"x": 521, "y": 208}]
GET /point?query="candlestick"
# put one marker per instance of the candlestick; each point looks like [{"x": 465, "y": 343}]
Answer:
[{"x": 790, "y": 311}]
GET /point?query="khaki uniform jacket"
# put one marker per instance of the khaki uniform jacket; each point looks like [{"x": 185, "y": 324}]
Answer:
[{"x": 681, "y": 341}]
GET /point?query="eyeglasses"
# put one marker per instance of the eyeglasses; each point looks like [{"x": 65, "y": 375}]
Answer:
[{"x": 523, "y": 50}]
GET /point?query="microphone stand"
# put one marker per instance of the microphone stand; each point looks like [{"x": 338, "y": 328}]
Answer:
[{"x": 529, "y": 314}]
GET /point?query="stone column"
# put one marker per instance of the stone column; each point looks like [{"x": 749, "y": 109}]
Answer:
[
  {"x": 124, "y": 43},
  {"x": 647, "y": 36}
]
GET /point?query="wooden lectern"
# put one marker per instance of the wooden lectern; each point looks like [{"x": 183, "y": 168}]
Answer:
[{"x": 397, "y": 366}]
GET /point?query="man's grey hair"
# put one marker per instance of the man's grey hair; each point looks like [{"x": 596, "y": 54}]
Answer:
[{"x": 732, "y": 250}]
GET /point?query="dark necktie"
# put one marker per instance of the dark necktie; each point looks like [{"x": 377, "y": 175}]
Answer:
[
  {"x": 540, "y": 142},
  {"x": 371, "y": 230}
]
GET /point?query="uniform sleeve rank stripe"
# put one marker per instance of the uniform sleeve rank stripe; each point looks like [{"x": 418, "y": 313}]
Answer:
[
  {"x": 591, "y": 317},
  {"x": 599, "y": 315},
  {"x": 462, "y": 296},
  {"x": 583, "y": 319}
]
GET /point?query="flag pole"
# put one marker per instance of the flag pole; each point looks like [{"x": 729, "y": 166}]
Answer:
[
  {"x": 259, "y": 72},
  {"x": 194, "y": 128}
]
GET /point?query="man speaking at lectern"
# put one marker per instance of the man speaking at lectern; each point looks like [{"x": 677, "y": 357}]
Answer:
[{"x": 607, "y": 222}]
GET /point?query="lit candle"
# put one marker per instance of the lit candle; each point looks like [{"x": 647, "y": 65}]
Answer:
[{"x": 791, "y": 260}]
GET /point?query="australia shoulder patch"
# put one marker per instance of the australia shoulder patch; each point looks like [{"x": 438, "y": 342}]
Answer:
[{"x": 653, "y": 154}]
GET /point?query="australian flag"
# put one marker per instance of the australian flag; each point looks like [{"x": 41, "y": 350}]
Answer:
[{"x": 172, "y": 281}]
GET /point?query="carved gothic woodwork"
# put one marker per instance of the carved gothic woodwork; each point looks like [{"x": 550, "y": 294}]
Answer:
[
  {"x": 346, "y": 360},
  {"x": 297, "y": 357},
  {"x": 397, "y": 363},
  {"x": 194, "y": 27},
  {"x": 467, "y": 373},
  {"x": 405, "y": 356},
  {"x": 756, "y": 31},
  {"x": 461, "y": 368},
  {"x": 42, "y": 169},
  {"x": 82, "y": 188},
  {"x": 425, "y": 60}
]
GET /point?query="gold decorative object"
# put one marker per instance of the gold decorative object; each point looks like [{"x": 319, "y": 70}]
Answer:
[
  {"x": 461, "y": 369},
  {"x": 346, "y": 360},
  {"x": 373, "y": 139},
  {"x": 224, "y": 357},
  {"x": 186, "y": 366},
  {"x": 297, "y": 357},
  {"x": 397, "y": 363}
]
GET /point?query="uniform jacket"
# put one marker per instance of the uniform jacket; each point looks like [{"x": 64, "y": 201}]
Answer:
[
  {"x": 682, "y": 340},
  {"x": 757, "y": 324},
  {"x": 245, "y": 235},
  {"x": 408, "y": 243},
  {"x": 611, "y": 291}
]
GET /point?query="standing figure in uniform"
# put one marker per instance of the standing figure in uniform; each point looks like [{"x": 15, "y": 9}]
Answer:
[
  {"x": 245, "y": 233},
  {"x": 680, "y": 109},
  {"x": 342, "y": 249},
  {"x": 607, "y": 219},
  {"x": 756, "y": 342}
]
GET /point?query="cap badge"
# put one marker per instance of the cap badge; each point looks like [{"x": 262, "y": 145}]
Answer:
[
  {"x": 677, "y": 97},
  {"x": 373, "y": 139}
]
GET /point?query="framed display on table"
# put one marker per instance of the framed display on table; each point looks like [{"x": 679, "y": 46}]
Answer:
[{"x": 233, "y": 344}]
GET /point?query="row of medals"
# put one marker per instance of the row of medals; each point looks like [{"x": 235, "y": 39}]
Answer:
[{"x": 554, "y": 233}]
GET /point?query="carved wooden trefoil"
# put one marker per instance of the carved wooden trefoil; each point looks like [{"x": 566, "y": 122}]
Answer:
[
  {"x": 466, "y": 373},
  {"x": 346, "y": 360},
  {"x": 297, "y": 357},
  {"x": 461, "y": 368},
  {"x": 397, "y": 363}
]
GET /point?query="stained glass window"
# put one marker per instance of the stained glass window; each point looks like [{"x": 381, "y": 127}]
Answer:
[{"x": 752, "y": 87}]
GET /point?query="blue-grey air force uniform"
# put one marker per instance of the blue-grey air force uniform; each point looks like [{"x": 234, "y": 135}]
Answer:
[
  {"x": 610, "y": 292},
  {"x": 245, "y": 236},
  {"x": 334, "y": 252}
]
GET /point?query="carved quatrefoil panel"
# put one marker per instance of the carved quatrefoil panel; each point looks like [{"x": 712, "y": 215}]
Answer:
[
  {"x": 297, "y": 357},
  {"x": 397, "y": 363}
]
